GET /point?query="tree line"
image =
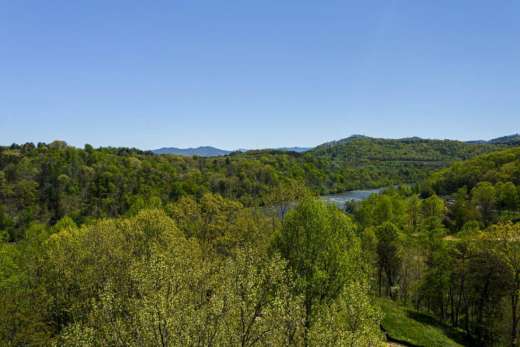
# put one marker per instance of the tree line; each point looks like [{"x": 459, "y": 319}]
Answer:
[
  {"x": 206, "y": 272},
  {"x": 456, "y": 260},
  {"x": 46, "y": 182},
  {"x": 120, "y": 247}
]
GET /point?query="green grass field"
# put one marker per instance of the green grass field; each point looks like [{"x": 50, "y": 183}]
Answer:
[{"x": 417, "y": 329}]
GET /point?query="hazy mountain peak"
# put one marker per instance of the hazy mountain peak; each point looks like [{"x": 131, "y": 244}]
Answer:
[
  {"x": 506, "y": 140},
  {"x": 202, "y": 151},
  {"x": 209, "y": 151}
]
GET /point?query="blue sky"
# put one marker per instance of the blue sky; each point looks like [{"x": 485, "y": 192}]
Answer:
[{"x": 256, "y": 73}]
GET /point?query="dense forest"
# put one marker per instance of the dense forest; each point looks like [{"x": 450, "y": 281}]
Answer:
[
  {"x": 121, "y": 247},
  {"x": 47, "y": 182}
]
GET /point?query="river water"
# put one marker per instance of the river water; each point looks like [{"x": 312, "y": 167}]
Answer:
[{"x": 354, "y": 195}]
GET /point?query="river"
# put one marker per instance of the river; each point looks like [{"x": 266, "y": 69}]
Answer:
[{"x": 353, "y": 195}]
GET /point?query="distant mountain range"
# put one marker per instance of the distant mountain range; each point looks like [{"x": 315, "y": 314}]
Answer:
[
  {"x": 204, "y": 151},
  {"x": 209, "y": 151},
  {"x": 507, "y": 140},
  {"x": 504, "y": 140},
  {"x": 294, "y": 149}
]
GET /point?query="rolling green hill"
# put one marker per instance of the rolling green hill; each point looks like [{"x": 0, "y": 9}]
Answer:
[
  {"x": 499, "y": 166},
  {"x": 359, "y": 149},
  {"x": 360, "y": 161},
  {"x": 46, "y": 182}
]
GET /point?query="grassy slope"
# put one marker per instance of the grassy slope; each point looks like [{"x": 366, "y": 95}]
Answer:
[{"x": 418, "y": 329}]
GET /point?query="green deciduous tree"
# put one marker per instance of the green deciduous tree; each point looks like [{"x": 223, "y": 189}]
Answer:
[
  {"x": 483, "y": 196},
  {"x": 505, "y": 242},
  {"x": 350, "y": 320},
  {"x": 388, "y": 257},
  {"x": 319, "y": 244},
  {"x": 507, "y": 196}
]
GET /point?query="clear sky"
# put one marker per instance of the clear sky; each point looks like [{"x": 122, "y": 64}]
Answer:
[{"x": 256, "y": 73}]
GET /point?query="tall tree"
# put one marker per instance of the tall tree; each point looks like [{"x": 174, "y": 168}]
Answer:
[
  {"x": 483, "y": 197},
  {"x": 505, "y": 242},
  {"x": 319, "y": 244},
  {"x": 389, "y": 256}
]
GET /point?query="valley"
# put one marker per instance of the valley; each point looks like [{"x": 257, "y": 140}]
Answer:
[{"x": 83, "y": 226}]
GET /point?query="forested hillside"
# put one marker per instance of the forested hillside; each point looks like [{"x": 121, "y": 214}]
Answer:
[
  {"x": 358, "y": 149},
  {"x": 121, "y": 247},
  {"x": 485, "y": 188},
  {"x": 369, "y": 162},
  {"x": 440, "y": 272},
  {"x": 456, "y": 258},
  {"x": 243, "y": 212},
  {"x": 513, "y": 140},
  {"x": 49, "y": 181},
  {"x": 496, "y": 167}
]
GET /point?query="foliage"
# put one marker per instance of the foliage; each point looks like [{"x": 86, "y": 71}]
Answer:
[
  {"x": 120, "y": 247},
  {"x": 385, "y": 162},
  {"x": 181, "y": 301},
  {"x": 319, "y": 244},
  {"x": 349, "y": 320},
  {"x": 467, "y": 280},
  {"x": 499, "y": 166},
  {"x": 505, "y": 244},
  {"x": 47, "y": 182},
  {"x": 143, "y": 281}
]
